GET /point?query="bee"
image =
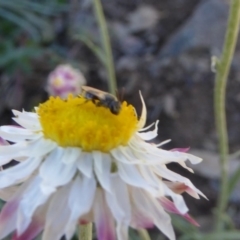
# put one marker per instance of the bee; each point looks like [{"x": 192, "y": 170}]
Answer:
[{"x": 101, "y": 98}]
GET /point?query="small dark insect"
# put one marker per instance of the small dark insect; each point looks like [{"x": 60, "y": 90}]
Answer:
[{"x": 101, "y": 98}]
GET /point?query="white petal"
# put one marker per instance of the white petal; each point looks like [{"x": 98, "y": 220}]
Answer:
[
  {"x": 153, "y": 155},
  {"x": 35, "y": 148},
  {"x": 80, "y": 201},
  {"x": 81, "y": 195},
  {"x": 26, "y": 120},
  {"x": 57, "y": 215},
  {"x": 122, "y": 154},
  {"x": 163, "y": 143},
  {"x": 36, "y": 226},
  {"x": 122, "y": 231},
  {"x": 103, "y": 218},
  {"x": 151, "y": 178},
  {"x": 54, "y": 171},
  {"x": 131, "y": 175},
  {"x": 118, "y": 200},
  {"x": 33, "y": 125},
  {"x": 154, "y": 210},
  {"x": 146, "y": 128},
  {"x": 174, "y": 177},
  {"x": 7, "y": 193},
  {"x": 143, "y": 117},
  {"x": 186, "y": 156},
  {"x": 8, "y": 215},
  {"x": 18, "y": 172},
  {"x": 72, "y": 154},
  {"x": 183, "y": 164},
  {"x": 3, "y": 142},
  {"x": 177, "y": 199},
  {"x": 102, "y": 167},
  {"x": 16, "y": 134},
  {"x": 28, "y": 115},
  {"x": 8, "y": 218},
  {"x": 150, "y": 134},
  {"x": 38, "y": 147},
  {"x": 85, "y": 164},
  {"x": 10, "y": 152},
  {"x": 193, "y": 159},
  {"x": 31, "y": 199}
]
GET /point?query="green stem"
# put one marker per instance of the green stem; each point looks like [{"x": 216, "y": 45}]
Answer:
[
  {"x": 112, "y": 85},
  {"x": 143, "y": 234},
  {"x": 219, "y": 104},
  {"x": 85, "y": 232}
]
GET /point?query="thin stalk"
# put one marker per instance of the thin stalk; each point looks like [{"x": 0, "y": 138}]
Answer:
[
  {"x": 144, "y": 234},
  {"x": 85, "y": 232},
  {"x": 219, "y": 105},
  {"x": 112, "y": 85}
]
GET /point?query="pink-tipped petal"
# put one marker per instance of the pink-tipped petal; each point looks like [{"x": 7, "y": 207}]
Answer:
[
  {"x": 178, "y": 188},
  {"x": 57, "y": 215},
  {"x": 180, "y": 149},
  {"x": 170, "y": 207},
  {"x": 33, "y": 230},
  {"x": 151, "y": 208},
  {"x": 166, "y": 173},
  {"x": 3, "y": 142},
  {"x": 103, "y": 218},
  {"x": 36, "y": 226},
  {"x": 8, "y": 218},
  {"x": 139, "y": 219}
]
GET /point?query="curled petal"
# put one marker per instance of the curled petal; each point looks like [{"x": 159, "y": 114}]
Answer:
[
  {"x": 170, "y": 207},
  {"x": 150, "y": 134},
  {"x": 143, "y": 117},
  {"x": 180, "y": 149},
  {"x": 177, "y": 187}
]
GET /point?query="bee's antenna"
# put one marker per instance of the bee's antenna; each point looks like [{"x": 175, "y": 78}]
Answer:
[
  {"x": 117, "y": 93},
  {"x": 122, "y": 94}
]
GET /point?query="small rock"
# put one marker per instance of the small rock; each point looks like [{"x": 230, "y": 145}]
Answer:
[
  {"x": 206, "y": 28},
  {"x": 129, "y": 44},
  {"x": 128, "y": 63},
  {"x": 169, "y": 105},
  {"x": 143, "y": 18}
]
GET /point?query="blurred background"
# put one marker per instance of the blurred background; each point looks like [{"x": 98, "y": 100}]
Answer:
[{"x": 160, "y": 47}]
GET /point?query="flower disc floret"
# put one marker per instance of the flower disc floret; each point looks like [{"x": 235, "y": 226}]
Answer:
[{"x": 77, "y": 122}]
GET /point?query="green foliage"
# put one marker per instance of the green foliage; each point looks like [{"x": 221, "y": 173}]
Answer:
[{"x": 24, "y": 27}]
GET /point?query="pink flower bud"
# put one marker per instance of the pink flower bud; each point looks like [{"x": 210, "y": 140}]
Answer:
[{"x": 65, "y": 80}]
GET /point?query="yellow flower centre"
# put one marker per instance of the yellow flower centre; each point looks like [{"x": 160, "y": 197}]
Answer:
[{"x": 77, "y": 122}]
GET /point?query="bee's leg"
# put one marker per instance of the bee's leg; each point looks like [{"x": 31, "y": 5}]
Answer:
[
  {"x": 86, "y": 100},
  {"x": 98, "y": 104}
]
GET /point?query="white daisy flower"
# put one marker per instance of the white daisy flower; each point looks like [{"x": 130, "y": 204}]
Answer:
[{"x": 80, "y": 163}]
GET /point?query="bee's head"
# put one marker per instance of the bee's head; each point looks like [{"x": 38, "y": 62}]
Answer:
[{"x": 115, "y": 107}]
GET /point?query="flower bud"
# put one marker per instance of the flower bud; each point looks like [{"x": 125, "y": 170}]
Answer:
[{"x": 65, "y": 80}]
